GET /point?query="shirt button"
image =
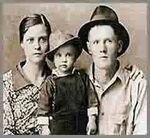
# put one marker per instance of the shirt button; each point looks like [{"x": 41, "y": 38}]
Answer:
[
  {"x": 51, "y": 118},
  {"x": 102, "y": 113}
]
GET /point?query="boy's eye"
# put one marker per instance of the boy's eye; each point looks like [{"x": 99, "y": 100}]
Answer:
[
  {"x": 58, "y": 55},
  {"x": 68, "y": 54}
]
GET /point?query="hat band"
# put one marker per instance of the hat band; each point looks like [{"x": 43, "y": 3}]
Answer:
[{"x": 104, "y": 17}]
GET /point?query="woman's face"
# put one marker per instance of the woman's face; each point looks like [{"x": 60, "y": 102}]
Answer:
[{"x": 35, "y": 43}]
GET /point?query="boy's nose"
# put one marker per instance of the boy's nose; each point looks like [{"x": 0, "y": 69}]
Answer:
[{"x": 64, "y": 58}]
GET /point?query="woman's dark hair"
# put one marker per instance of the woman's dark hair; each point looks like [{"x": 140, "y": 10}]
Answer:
[{"x": 32, "y": 20}]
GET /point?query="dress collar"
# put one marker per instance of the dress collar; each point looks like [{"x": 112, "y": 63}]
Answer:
[{"x": 19, "y": 78}]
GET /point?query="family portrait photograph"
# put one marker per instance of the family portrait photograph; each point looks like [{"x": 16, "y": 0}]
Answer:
[{"x": 75, "y": 68}]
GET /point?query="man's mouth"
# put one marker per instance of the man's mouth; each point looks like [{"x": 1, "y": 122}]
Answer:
[
  {"x": 63, "y": 65},
  {"x": 104, "y": 57}
]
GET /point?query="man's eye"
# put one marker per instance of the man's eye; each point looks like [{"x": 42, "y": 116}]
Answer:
[
  {"x": 108, "y": 41},
  {"x": 96, "y": 42}
]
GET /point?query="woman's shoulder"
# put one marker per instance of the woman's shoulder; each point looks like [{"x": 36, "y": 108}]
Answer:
[
  {"x": 8, "y": 78},
  {"x": 10, "y": 73},
  {"x": 7, "y": 75},
  {"x": 7, "y": 84}
]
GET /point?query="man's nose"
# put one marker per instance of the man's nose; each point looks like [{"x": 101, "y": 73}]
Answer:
[{"x": 102, "y": 47}]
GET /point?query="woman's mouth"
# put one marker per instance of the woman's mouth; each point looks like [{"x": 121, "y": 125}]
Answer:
[{"x": 37, "y": 53}]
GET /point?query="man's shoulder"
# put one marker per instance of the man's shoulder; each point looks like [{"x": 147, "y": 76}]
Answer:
[{"x": 134, "y": 73}]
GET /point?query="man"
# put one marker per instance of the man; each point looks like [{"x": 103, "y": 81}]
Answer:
[{"x": 123, "y": 101}]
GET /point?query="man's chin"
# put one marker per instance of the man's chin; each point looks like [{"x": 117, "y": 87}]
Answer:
[
  {"x": 37, "y": 61},
  {"x": 103, "y": 66}
]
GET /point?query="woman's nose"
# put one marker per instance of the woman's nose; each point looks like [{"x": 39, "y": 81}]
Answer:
[{"x": 36, "y": 45}]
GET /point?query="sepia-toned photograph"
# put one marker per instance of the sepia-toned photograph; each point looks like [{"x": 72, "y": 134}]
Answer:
[{"x": 75, "y": 68}]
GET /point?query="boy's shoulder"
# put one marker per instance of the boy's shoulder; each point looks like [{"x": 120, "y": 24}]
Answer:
[{"x": 82, "y": 73}]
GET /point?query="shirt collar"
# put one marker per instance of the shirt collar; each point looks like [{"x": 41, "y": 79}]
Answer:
[
  {"x": 56, "y": 73},
  {"x": 120, "y": 74},
  {"x": 19, "y": 78}
]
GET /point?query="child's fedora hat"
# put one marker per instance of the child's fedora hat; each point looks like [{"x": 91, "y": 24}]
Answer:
[{"x": 59, "y": 39}]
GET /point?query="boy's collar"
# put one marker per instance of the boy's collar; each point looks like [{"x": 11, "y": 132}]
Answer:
[{"x": 56, "y": 73}]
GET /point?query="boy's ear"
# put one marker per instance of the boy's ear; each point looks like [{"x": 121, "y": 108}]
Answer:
[
  {"x": 89, "y": 48},
  {"x": 120, "y": 44}
]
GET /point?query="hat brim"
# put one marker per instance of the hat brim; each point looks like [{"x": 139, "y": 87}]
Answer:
[
  {"x": 84, "y": 30},
  {"x": 75, "y": 41}
]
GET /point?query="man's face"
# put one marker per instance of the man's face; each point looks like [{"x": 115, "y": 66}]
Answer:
[
  {"x": 103, "y": 46},
  {"x": 64, "y": 58}
]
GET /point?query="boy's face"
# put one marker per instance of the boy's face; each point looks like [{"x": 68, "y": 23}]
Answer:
[
  {"x": 103, "y": 46},
  {"x": 64, "y": 58}
]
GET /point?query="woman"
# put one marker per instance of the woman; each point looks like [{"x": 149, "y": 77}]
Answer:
[{"x": 21, "y": 85}]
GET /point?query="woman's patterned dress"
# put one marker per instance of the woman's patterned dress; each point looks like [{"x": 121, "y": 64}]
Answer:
[{"x": 20, "y": 104}]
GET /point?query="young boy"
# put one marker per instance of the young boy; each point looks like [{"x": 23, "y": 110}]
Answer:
[{"x": 68, "y": 97}]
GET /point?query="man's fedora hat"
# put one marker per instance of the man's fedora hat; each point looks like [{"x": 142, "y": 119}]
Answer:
[
  {"x": 104, "y": 15},
  {"x": 59, "y": 39}
]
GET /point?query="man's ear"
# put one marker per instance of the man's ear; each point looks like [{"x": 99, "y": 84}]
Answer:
[
  {"x": 89, "y": 48},
  {"x": 120, "y": 45}
]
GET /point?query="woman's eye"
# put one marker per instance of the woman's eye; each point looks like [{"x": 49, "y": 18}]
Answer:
[{"x": 30, "y": 40}]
